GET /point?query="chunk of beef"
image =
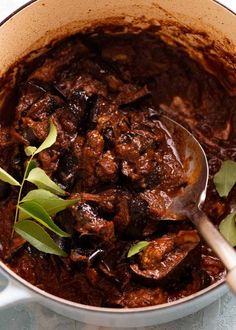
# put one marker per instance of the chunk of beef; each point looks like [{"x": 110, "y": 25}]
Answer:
[
  {"x": 105, "y": 200},
  {"x": 88, "y": 222},
  {"x": 59, "y": 59},
  {"x": 140, "y": 155},
  {"x": 167, "y": 260},
  {"x": 84, "y": 82},
  {"x": 130, "y": 94},
  {"x": 107, "y": 168},
  {"x": 92, "y": 152}
]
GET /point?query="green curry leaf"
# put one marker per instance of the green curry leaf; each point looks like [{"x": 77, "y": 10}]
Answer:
[
  {"x": 138, "y": 247},
  {"x": 38, "y": 237},
  {"x": 227, "y": 228},
  {"x": 50, "y": 139},
  {"x": 37, "y": 212},
  {"x": 225, "y": 179},
  {"x": 29, "y": 151},
  {"x": 38, "y": 177},
  {"x": 51, "y": 203},
  {"x": 31, "y": 165},
  {"x": 4, "y": 176}
]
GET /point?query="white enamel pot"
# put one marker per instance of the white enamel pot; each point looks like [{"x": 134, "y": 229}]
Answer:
[{"x": 41, "y": 21}]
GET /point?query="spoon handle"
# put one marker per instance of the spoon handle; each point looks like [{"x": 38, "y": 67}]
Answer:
[{"x": 217, "y": 243}]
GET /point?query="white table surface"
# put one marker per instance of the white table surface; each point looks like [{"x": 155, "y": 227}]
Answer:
[{"x": 220, "y": 315}]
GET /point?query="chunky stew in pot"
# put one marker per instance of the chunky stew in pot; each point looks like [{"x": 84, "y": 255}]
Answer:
[{"x": 105, "y": 93}]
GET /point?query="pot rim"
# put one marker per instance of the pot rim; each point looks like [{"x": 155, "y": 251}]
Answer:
[{"x": 8, "y": 272}]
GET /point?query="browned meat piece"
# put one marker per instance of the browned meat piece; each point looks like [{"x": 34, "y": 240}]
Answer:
[
  {"x": 59, "y": 58},
  {"x": 158, "y": 202},
  {"x": 84, "y": 82},
  {"x": 112, "y": 124},
  {"x": 43, "y": 107},
  {"x": 106, "y": 200},
  {"x": 167, "y": 260},
  {"x": 213, "y": 266},
  {"x": 88, "y": 222},
  {"x": 30, "y": 94},
  {"x": 139, "y": 166},
  {"x": 122, "y": 218},
  {"x": 91, "y": 154},
  {"x": 141, "y": 297},
  {"x": 130, "y": 93},
  {"x": 107, "y": 168}
]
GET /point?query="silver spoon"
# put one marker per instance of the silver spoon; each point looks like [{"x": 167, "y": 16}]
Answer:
[{"x": 189, "y": 201}]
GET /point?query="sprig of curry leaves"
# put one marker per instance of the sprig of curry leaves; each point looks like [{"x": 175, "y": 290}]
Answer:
[
  {"x": 39, "y": 205},
  {"x": 224, "y": 181}
]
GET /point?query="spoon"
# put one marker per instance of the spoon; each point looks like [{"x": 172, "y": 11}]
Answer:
[{"x": 188, "y": 203}]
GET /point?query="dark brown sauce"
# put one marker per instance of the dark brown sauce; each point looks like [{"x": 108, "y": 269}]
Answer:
[{"x": 105, "y": 94}]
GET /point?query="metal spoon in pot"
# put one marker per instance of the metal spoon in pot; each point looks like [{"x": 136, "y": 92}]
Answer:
[{"x": 189, "y": 201}]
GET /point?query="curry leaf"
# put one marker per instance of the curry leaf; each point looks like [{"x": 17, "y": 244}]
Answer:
[
  {"x": 50, "y": 202},
  {"x": 38, "y": 237},
  {"x": 31, "y": 165},
  {"x": 50, "y": 139},
  {"x": 136, "y": 248},
  {"x": 29, "y": 151},
  {"x": 38, "y": 177},
  {"x": 227, "y": 228},
  {"x": 37, "y": 212},
  {"x": 4, "y": 176},
  {"x": 225, "y": 179}
]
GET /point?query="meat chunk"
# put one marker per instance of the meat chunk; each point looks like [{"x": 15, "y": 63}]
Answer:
[
  {"x": 91, "y": 153},
  {"x": 88, "y": 222},
  {"x": 105, "y": 200},
  {"x": 107, "y": 168},
  {"x": 167, "y": 260}
]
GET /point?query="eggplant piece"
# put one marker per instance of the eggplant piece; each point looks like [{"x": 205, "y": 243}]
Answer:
[
  {"x": 138, "y": 210},
  {"x": 169, "y": 259},
  {"x": 114, "y": 264},
  {"x": 67, "y": 170}
]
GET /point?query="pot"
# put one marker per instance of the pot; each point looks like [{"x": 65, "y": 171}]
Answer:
[{"x": 40, "y": 22}]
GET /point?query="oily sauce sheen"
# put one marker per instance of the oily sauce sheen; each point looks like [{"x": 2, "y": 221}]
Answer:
[{"x": 105, "y": 94}]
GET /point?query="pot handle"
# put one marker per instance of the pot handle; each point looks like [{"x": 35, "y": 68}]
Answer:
[{"x": 13, "y": 294}]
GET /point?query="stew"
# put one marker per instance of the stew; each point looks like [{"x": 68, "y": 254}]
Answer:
[{"x": 105, "y": 93}]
